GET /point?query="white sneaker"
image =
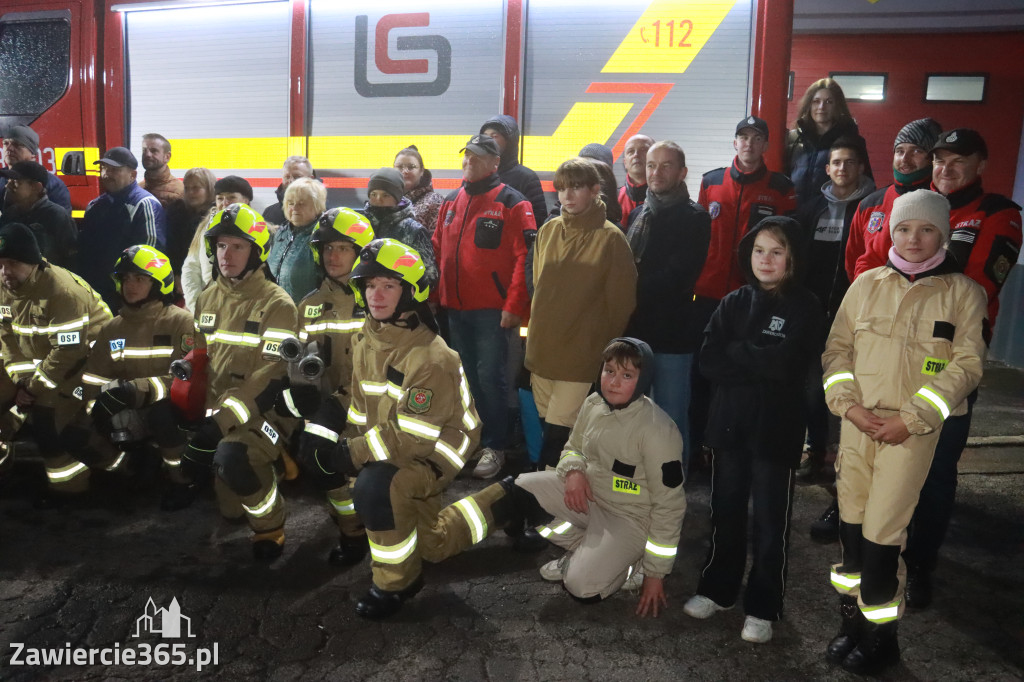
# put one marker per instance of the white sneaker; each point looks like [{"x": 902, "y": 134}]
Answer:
[
  {"x": 490, "y": 463},
  {"x": 635, "y": 580},
  {"x": 701, "y": 607},
  {"x": 553, "y": 571},
  {"x": 756, "y": 630}
]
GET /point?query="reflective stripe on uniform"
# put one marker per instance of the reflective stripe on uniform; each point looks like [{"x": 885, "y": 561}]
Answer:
[
  {"x": 239, "y": 408},
  {"x": 456, "y": 457},
  {"x": 17, "y": 367},
  {"x": 343, "y": 507},
  {"x": 380, "y": 388},
  {"x": 322, "y": 431},
  {"x": 356, "y": 417},
  {"x": 290, "y": 403},
  {"x": 377, "y": 447},
  {"x": 95, "y": 379},
  {"x": 475, "y": 518},
  {"x": 159, "y": 390},
  {"x": 884, "y": 613},
  {"x": 660, "y": 550},
  {"x": 272, "y": 334},
  {"x": 345, "y": 326},
  {"x": 266, "y": 505},
  {"x": 394, "y": 554},
  {"x": 935, "y": 400},
  {"x": 546, "y": 531},
  {"x": 845, "y": 581},
  {"x": 467, "y": 399},
  {"x": 117, "y": 462},
  {"x": 233, "y": 339},
  {"x": 838, "y": 377},
  {"x": 45, "y": 379},
  {"x": 71, "y": 326},
  {"x": 133, "y": 353},
  {"x": 571, "y": 453},
  {"x": 417, "y": 427},
  {"x": 65, "y": 473}
]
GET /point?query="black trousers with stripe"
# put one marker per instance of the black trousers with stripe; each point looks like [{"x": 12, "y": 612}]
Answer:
[{"x": 736, "y": 478}]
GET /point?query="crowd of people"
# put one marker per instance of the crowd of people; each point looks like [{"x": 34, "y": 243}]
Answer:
[{"x": 375, "y": 352}]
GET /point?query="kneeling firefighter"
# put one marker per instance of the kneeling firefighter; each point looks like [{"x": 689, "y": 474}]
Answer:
[
  {"x": 411, "y": 425},
  {"x": 126, "y": 380},
  {"x": 241, "y": 320}
]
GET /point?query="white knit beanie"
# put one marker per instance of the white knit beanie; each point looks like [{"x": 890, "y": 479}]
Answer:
[{"x": 921, "y": 204}]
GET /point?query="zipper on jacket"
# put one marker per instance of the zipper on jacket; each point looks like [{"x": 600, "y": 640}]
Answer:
[{"x": 458, "y": 247}]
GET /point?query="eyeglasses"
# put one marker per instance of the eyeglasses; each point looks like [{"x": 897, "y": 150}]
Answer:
[{"x": 406, "y": 167}]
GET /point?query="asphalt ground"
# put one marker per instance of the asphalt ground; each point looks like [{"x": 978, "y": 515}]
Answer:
[{"x": 81, "y": 577}]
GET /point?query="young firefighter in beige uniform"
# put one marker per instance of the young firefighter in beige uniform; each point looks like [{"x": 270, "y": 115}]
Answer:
[
  {"x": 48, "y": 319},
  {"x": 904, "y": 352},
  {"x": 330, "y": 317},
  {"x": 243, "y": 317},
  {"x": 617, "y": 494}
]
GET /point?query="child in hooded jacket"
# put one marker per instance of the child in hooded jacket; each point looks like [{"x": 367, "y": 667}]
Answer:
[{"x": 757, "y": 350}]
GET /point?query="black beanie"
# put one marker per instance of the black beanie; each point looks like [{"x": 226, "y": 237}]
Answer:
[
  {"x": 233, "y": 183},
  {"x": 389, "y": 180},
  {"x": 17, "y": 242}
]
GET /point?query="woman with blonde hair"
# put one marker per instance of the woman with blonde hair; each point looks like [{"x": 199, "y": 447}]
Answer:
[
  {"x": 185, "y": 215},
  {"x": 290, "y": 260}
]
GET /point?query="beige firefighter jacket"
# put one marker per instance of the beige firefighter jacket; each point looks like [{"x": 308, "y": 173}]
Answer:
[
  {"x": 47, "y": 327},
  {"x": 241, "y": 324},
  {"x": 911, "y": 347},
  {"x": 632, "y": 460},
  {"x": 139, "y": 346},
  {"x": 331, "y": 317},
  {"x": 410, "y": 400}
]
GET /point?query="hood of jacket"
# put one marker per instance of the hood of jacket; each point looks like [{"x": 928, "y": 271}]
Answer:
[
  {"x": 866, "y": 187},
  {"x": 508, "y": 127},
  {"x": 646, "y": 378},
  {"x": 794, "y": 235},
  {"x": 388, "y": 216}
]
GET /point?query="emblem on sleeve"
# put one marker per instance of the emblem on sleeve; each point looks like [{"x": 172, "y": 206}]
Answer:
[
  {"x": 419, "y": 400},
  {"x": 188, "y": 342}
]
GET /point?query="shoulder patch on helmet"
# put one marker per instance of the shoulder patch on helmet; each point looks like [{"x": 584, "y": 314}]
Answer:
[
  {"x": 672, "y": 474},
  {"x": 419, "y": 399}
]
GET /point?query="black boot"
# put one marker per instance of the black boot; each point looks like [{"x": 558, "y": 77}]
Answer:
[
  {"x": 878, "y": 649},
  {"x": 177, "y": 496},
  {"x": 517, "y": 512},
  {"x": 826, "y": 529},
  {"x": 918, "y": 593},
  {"x": 555, "y": 438},
  {"x": 851, "y": 630},
  {"x": 350, "y": 551},
  {"x": 378, "y": 603}
]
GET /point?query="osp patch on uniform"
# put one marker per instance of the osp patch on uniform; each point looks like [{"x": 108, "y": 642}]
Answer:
[
  {"x": 116, "y": 345},
  {"x": 875, "y": 223},
  {"x": 5, "y": 311},
  {"x": 419, "y": 400},
  {"x": 272, "y": 350},
  {"x": 188, "y": 342},
  {"x": 314, "y": 310},
  {"x": 714, "y": 208},
  {"x": 207, "y": 319}
]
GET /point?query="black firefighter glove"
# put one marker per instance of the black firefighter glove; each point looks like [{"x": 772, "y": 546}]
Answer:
[
  {"x": 116, "y": 396},
  {"x": 198, "y": 455},
  {"x": 328, "y": 462},
  {"x": 303, "y": 398}
]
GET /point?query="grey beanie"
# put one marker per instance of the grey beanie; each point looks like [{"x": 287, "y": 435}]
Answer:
[
  {"x": 924, "y": 132},
  {"x": 599, "y": 152},
  {"x": 389, "y": 180},
  {"x": 921, "y": 204}
]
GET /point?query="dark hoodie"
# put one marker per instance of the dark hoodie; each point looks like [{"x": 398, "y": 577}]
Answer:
[
  {"x": 514, "y": 174},
  {"x": 806, "y": 155},
  {"x": 646, "y": 378},
  {"x": 756, "y": 352}
]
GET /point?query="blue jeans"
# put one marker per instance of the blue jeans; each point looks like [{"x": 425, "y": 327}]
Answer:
[
  {"x": 671, "y": 392},
  {"x": 479, "y": 339}
]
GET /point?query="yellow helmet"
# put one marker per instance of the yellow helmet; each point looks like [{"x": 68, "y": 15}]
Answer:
[
  {"x": 391, "y": 258},
  {"x": 239, "y": 220},
  {"x": 336, "y": 225},
  {"x": 144, "y": 260}
]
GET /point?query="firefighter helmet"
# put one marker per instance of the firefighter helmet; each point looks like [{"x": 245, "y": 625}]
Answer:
[
  {"x": 336, "y": 225},
  {"x": 391, "y": 258},
  {"x": 147, "y": 261},
  {"x": 239, "y": 220}
]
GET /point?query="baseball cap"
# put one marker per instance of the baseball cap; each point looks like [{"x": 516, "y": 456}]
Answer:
[
  {"x": 118, "y": 156},
  {"x": 482, "y": 145},
  {"x": 758, "y": 124},
  {"x": 24, "y": 136},
  {"x": 26, "y": 170},
  {"x": 963, "y": 141}
]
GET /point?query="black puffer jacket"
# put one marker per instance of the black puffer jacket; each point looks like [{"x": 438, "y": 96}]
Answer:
[
  {"x": 514, "y": 174},
  {"x": 756, "y": 352},
  {"x": 398, "y": 222}
]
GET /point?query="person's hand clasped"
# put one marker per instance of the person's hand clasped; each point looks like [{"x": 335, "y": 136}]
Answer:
[
  {"x": 510, "y": 320},
  {"x": 893, "y": 431},
  {"x": 865, "y": 420},
  {"x": 652, "y": 597},
  {"x": 578, "y": 494}
]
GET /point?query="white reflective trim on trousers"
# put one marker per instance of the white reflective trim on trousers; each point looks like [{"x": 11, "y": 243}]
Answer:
[
  {"x": 346, "y": 508},
  {"x": 159, "y": 390},
  {"x": 475, "y": 518},
  {"x": 449, "y": 454},
  {"x": 117, "y": 462},
  {"x": 65, "y": 473},
  {"x": 848, "y": 581},
  {"x": 322, "y": 431},
  {"x": 394, "y": 554},
  {"x": 266, "y": 505},
  {"x": 377, "y": 447},
  {"x": 356, "y": 417},
  {"x": 420, "y": 428},
  {"x": 660, "y": 550},
  {"x": 546, "y": 531},
  {"x": 837, "y": 377},
  {"x": 882, "y": 614},
  {"x": 467, "y": 400},
  {"x": 239, "y": 408},
  {"x": 935, "y": 400}
]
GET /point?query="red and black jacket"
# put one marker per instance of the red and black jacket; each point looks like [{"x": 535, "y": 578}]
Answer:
[{"x": 869, "y": 242}]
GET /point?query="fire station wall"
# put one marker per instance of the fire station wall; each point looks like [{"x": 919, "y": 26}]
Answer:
[{"x": 907, "y": 60}]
